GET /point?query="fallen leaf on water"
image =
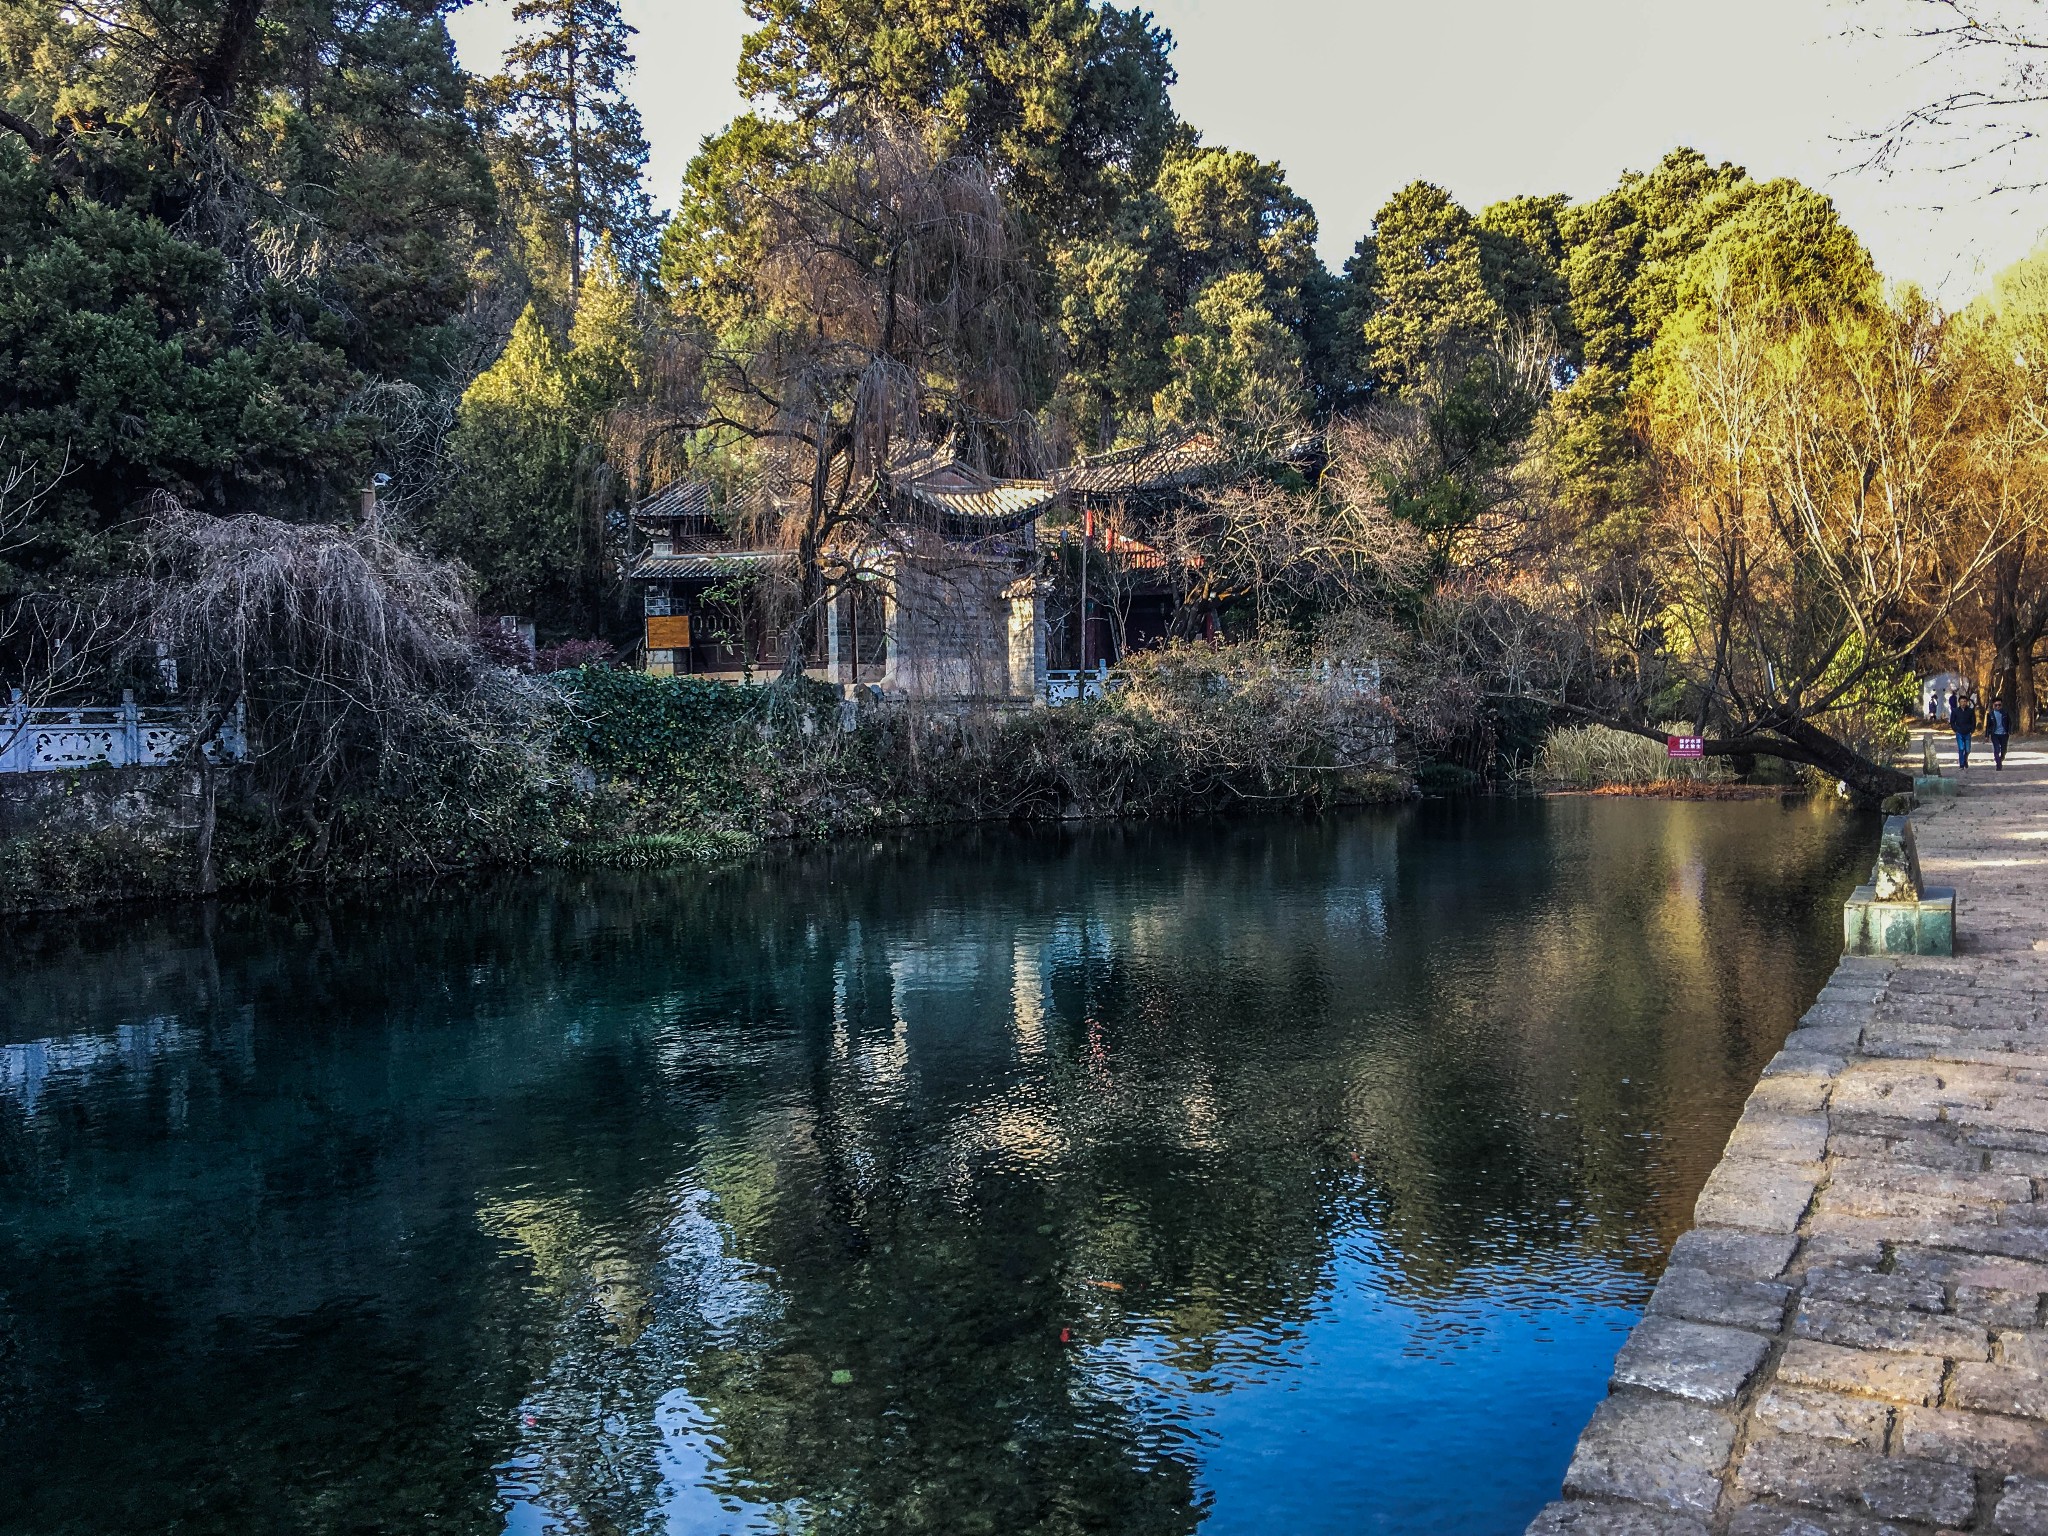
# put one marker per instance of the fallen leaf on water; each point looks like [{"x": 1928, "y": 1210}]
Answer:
[{"x": 1105, "y": 1285}]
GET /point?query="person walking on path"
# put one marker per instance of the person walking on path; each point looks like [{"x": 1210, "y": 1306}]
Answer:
[
  {"x": 1998, "y": 726},
  {"x": 1963, "y": 721}
]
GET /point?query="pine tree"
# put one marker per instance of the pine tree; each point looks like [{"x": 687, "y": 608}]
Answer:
[
  {"x": 570, "y": 134},
  {"x": 1419, "y": 281}
]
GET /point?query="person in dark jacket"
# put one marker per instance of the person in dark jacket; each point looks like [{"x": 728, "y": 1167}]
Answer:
[
  {"x": 1998, "y": 726},
  {"x": 1963, "y": 721}
]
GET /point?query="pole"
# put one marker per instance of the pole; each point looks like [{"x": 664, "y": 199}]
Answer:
[{"x": 1087, "y": 541}]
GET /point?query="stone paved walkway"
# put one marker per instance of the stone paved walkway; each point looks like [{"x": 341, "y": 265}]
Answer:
[{"x": 1852, "y": 1341}]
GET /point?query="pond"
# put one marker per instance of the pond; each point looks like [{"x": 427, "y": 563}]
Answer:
[{"x": 1249, "y": 1177}]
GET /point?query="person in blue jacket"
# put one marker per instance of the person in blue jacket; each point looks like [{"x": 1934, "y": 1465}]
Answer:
[
  {"x": 1998, "y": 726},
  {"x": 1963, "y": 721}
]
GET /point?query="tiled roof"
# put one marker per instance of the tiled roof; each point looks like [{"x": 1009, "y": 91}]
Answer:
[
  {"x": 928, "y": 476},
  {"x": 1170, "y": 465},
  {"x": 679, "y": 498},
  {"x": 966, "y": 495},
  {"x": 708, "y": 566}
]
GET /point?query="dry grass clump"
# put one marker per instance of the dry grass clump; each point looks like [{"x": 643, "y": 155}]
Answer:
[{"x": 1595, "y": 757}]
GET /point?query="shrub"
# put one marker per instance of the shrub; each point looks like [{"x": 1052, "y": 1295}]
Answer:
[
  {"x": 658, "y": 850},
  {"x": 1192, "y": 728},
  {"x": 572, "y": 654}
]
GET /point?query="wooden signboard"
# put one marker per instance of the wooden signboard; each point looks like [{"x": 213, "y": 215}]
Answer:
[{"x": 668, "y": 632}]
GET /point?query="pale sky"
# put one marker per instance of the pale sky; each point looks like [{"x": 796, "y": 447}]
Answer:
[{"x": 1487, "y": 97}]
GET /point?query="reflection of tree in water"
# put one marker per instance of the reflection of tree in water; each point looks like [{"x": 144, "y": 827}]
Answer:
[
  {"x": 927, "y": 1273},
  {"x": 1591, "y": 1050},
  {"x": 560, "y": 1151}
]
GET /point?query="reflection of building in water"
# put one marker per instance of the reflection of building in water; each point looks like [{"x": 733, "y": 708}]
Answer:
[
  {"x": 137, "y": 1050},
  {"x": 1074, "y": 942},
  {"x": 1027, "y": 1001}
]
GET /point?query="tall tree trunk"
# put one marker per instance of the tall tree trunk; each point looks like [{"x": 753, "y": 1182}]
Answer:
[
  {"x": 2025, "y": 701},
  {"x": 209, "y": 802},
  {"x": 213, "y": 77},
  {"x": 1869, "y": 783},
  {"x": 810, "y": 597},
  {"x": 573, "y": 101},
  {"x": 2005, "y": 656}
]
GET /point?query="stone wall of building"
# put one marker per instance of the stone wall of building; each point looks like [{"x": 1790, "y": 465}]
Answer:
[{"x": 953, "y": 630}]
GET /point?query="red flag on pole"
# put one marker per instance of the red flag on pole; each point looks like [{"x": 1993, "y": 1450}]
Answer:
[{"x": 1088, "y": 524}]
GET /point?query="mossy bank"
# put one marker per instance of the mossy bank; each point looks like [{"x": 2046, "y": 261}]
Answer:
[{"x": 626, "y": 769}]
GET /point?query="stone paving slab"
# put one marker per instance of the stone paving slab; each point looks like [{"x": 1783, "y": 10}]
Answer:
[{"x": 1853, "y": 1339}]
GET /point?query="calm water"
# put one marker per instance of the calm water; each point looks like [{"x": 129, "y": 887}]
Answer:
[{"x": 1265, "y": 1178}]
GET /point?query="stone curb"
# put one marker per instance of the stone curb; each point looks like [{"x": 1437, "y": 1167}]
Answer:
[{"x": 1850, "y": 1341}]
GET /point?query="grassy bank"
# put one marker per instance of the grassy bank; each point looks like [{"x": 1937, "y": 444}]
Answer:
[{"x": 623, "y": 769}]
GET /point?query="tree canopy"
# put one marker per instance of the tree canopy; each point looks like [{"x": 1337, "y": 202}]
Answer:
[
  {"x": 568, "y": 139},
  {"x": 1064, "y": 100},
  {"x": 251, "y": 255},
  {"x": 237, "y": 245}
]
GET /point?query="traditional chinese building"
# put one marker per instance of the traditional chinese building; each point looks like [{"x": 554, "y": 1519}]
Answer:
[
  {"x": 963, "y": 585},
  {"x": 938, "y": 594},
  {"x": 1132, "y": 595}
]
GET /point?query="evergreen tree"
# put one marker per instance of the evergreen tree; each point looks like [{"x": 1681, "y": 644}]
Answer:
[
  {"x": 534, "y": 486},
  {"x": 511, "y": 515},
  {"x": 1062, "y": 102},
  {"x": 234, "y": 252},
  {"x": 1065, "y": 101},
  {"x": 1639, "y": 255},
  {"x": 570, "y": 140},
  {"x": 1114, "y": 320},
  {"x": 1151, "y": 325},
  {"x": 1229, "y": 211},
  {"x": 1521, "y": 258},
  {"x": 1234, "y": 364},
  {"x": 607, "y": 340},
  {"x": 1625, "y": 250},
  {"x": 1419, "y": 289}
]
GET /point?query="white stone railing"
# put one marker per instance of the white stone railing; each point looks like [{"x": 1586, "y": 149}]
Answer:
[
  {"x": 1070, "y": 687},
  {"x": 1060, "y": 688},
  {"x": 124, "y": 735}
]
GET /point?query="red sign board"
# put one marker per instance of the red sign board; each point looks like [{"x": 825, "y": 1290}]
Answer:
[{"x": 1685, "y": 746}]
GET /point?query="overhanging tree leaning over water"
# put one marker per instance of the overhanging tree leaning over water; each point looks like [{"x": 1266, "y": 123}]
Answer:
[{"x": 1815, "y": 522}]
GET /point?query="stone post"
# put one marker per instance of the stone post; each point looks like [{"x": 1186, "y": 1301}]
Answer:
[
  {"x": 1895, "y": 912},
  {"x": 1929, "y": 783}
]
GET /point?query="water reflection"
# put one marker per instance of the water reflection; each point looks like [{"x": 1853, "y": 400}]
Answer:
[{"x": 1252, "y": 1177}]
